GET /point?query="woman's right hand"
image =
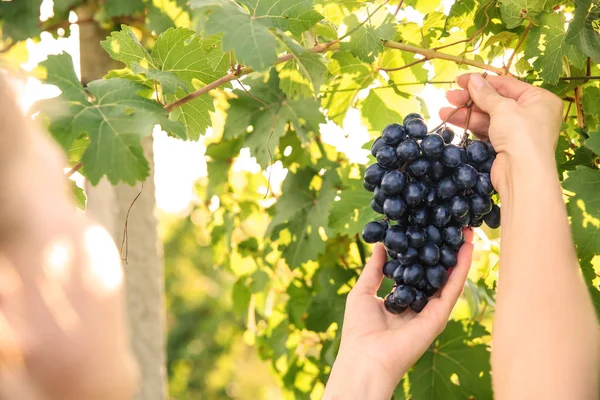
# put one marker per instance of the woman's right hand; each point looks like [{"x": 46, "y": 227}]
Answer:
[{"x": 521, "y": 120}]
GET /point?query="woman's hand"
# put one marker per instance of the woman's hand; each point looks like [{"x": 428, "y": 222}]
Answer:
[{"x": 378, "y": 347}]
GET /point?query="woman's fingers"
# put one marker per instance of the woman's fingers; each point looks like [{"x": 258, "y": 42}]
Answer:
[
  {"x": 372, "y": 275},
  {"x": 479, "y": 122}
]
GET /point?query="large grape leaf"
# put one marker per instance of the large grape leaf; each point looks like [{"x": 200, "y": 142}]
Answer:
[
  {"x": 514, "y": 11},
  {"x": 115, "y": 119},
  {"x": 365, "y": 42},
  {"x": 20, "y": 19},
  {"x": 118, "y": 8},
  {"x": 549, "y": 38},
  {"x": 295, "y": 16},
  {"x": 583, "y": 29},
  {"x": 593, "y": 143},
  {"x": 461, "y": 14},
  {"x": 352, "y": 211},
  {"x": 378, "y": 113},
  {"x": 453, "y": 353},
  {"x": 591, "y": 104}
]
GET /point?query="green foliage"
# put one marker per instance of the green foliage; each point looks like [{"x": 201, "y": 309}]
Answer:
[{"x": 284, "y": 262}]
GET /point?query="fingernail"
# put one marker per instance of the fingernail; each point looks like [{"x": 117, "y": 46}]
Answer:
[{"x": 477, "y": 81}]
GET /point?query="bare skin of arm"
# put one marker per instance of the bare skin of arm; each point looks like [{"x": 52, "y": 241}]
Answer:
[
  {"x": 545, "y": 338},
  {"x": 62, "y": 328}
]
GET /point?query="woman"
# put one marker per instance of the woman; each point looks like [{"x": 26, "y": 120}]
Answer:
[{"x": 545, "y": 342}]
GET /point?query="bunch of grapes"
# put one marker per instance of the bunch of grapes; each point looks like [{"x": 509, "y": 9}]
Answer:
[{"x": 428, "y": 189}]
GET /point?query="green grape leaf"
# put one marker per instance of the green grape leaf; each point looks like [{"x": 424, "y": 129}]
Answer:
[
  {"x": 119, "y": 8},
  {"x": 365, "y": 43},
  {"x": 584, "y": 209},
  {"x": 461, "y": 15},
  {"x": 221, "y": 156},
  {"x": 327, "y": 306},
  {"x": 158, "y": 21},
  {"x": 583, "y": 29},
  {"x": 593, "y": 143},
  {"x": 253, "y": 43},
  {"x": 124, "y": 46},
  {"x": 169, "y": 81},
  {"x": 217, "y": 59},
  {"x": 514, "y": 11},
  {"x": 377, "y": 112},
  {"x": 115, "y": 120},
  {"x": 311, "y": 65},
  {"x": 20, "y": 19},
  {"x": 78, "y": 195},
  {"x": 295, "y": 16},
  {"x": 430, "y": 377},
  {"x": 591, "y": 104},
  {"x": 292, "y": 82},
  {"x": 352, "y": 212},
  {"x": 553, "y": 47}
]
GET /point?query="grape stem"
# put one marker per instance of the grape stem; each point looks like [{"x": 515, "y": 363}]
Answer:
[{"x": 72, "y": 171}]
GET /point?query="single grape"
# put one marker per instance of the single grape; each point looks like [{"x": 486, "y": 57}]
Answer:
[
  {"x": 484, "y": 185},
  {"x": 413, "y": 193},
  {"x": 392, "y": 254},
  {"x": 377, "y": 144},
  {"x": 433, "y": 235},
  {"x": 452, "y": 235},
  {"x": 429, "y": 254},
  {"x": 390, "y": 267},
  {"x": 379, "y": 195},
  {"x": 386, "y": 157},
  {"x": 462, "y": 221},
  {"x": 490, "y": 148},
  {"x": 395, "y": 239},
  {"x": 476, "y": 221},
  {"x": 422, "y": 284},
  {"x": 374, "y": 231},
  {"x": 486, "y": 166},
  {"x": 418, "y": 167},
  {"x": 465, "y": 176},
  {"x": 430, "y": 290},
  {"x": 408, "y": 150},
  {"x": 393, "y": 182},
  {"x": 447, "y": 134},
  {"x": 393, "y": 134},
  {"x": 398, "y": 275},
  {"x": 436, "y": 170},
  {"x": 374, "y": 173},
  {"x": 411, "y": 116},
  {"x": 369, "y": 186},
  {"x": 419, "y": 216},
  {"x": 436, "y": 276},
  {"x": 448, "y": 257},
  {"x": 459, "y": 206},
  {"x": 394, "y": 207},
  {"x": 404, "y": 295},
  {"x": 431, "y": 198},
  {"x": 492, "y": 219},
  {"x": 419, "y": 302},
  {"x": 413, "y": 274},
  {"x": 480, "y": 205},
  {"x": 416, "y": 128},
  {"x": 408, "y": 257},
  {"x": 446, "y": 189},
  {"x": 416, "y": 236},
  {"x": 391, "y": 306},
  {"x": 477, "y": 151},
  {"x": 451, "y": 156},
  {"x": 432, "y": 146},
  {"x": 376, "y": 207},
  {"x": 440, "y": 216}
]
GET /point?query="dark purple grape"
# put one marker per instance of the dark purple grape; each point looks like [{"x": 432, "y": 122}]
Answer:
[
  {"x": 431, "y": 198},
  {"x": 386, "y": 157},
  {"x": 433, "y": 235},
  {"x": 422, "y": 284},
  {"x": 492, "y": 219},
  {"x": 440, "y": 215},
  {"x": 398, "y": 275},
  {"x": 436, "y": 276},
  {"x": 379, "y": 196},
  {"x": 452, "y": 235},
  {"x": 374, "y": 173},
  {"x": 392, "y": 254},
  {"x": 416, "y": 128},
  {"x": 477, "y": 151},
  {"x": 465, "y": 176},
  {"x": 436, "y": 170},
  {"x": 408, "y": 150},
  {"x": 404, "y": 295},
  {"x": 462, "y": 221},
  {"x": 393, "y": 134},
  {"x": 451, "y": 156},
  {"x": 484, "y": 185},
  {"x": 486, "y": 166},
  {"x": 490, "y": 148},
  {"x": 476, "y": 221},
  {"x": 459, "y": 206},
  {"x": 429, "y": 254},
  {"x": 377, "y": 144},
  {"x": 432, "y": 146},
  {"x": 393, "y": 182},
  {"x": 408, "y": 257},
  {"x": 448, "y": 257},
  {"x": 376, "y": 207},
  {"x": 416, "y": 236},
  {"x": 419, "y": 216},
  {"x": 391, "y": 306},
  {"x": 430, "y": 290},
  {"x": 413, "y": 193},
  {"x": 446, "y": 189},
  {"x": 395, "y": 239},
  {"x": 480, "y": 205},
  {"x": 411, "y": 116},
  {"x": 394, "y": 207},
  {"x": 369, "y": 186},
  {"x": 419, "y": 302},
  {"x": 390, "y": 267},
  {"x": 413, "y": 274},
  {"x": 374, "y": 231},
  {"x": 418, "y": 167},
  {"x": 447, "y": 134}
]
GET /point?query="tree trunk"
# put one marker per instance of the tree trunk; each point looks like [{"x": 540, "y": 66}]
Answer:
[{"x": 144, "y": 280}]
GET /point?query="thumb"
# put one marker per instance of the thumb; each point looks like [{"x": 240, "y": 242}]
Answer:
[{"x": 484, "y": 95}]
